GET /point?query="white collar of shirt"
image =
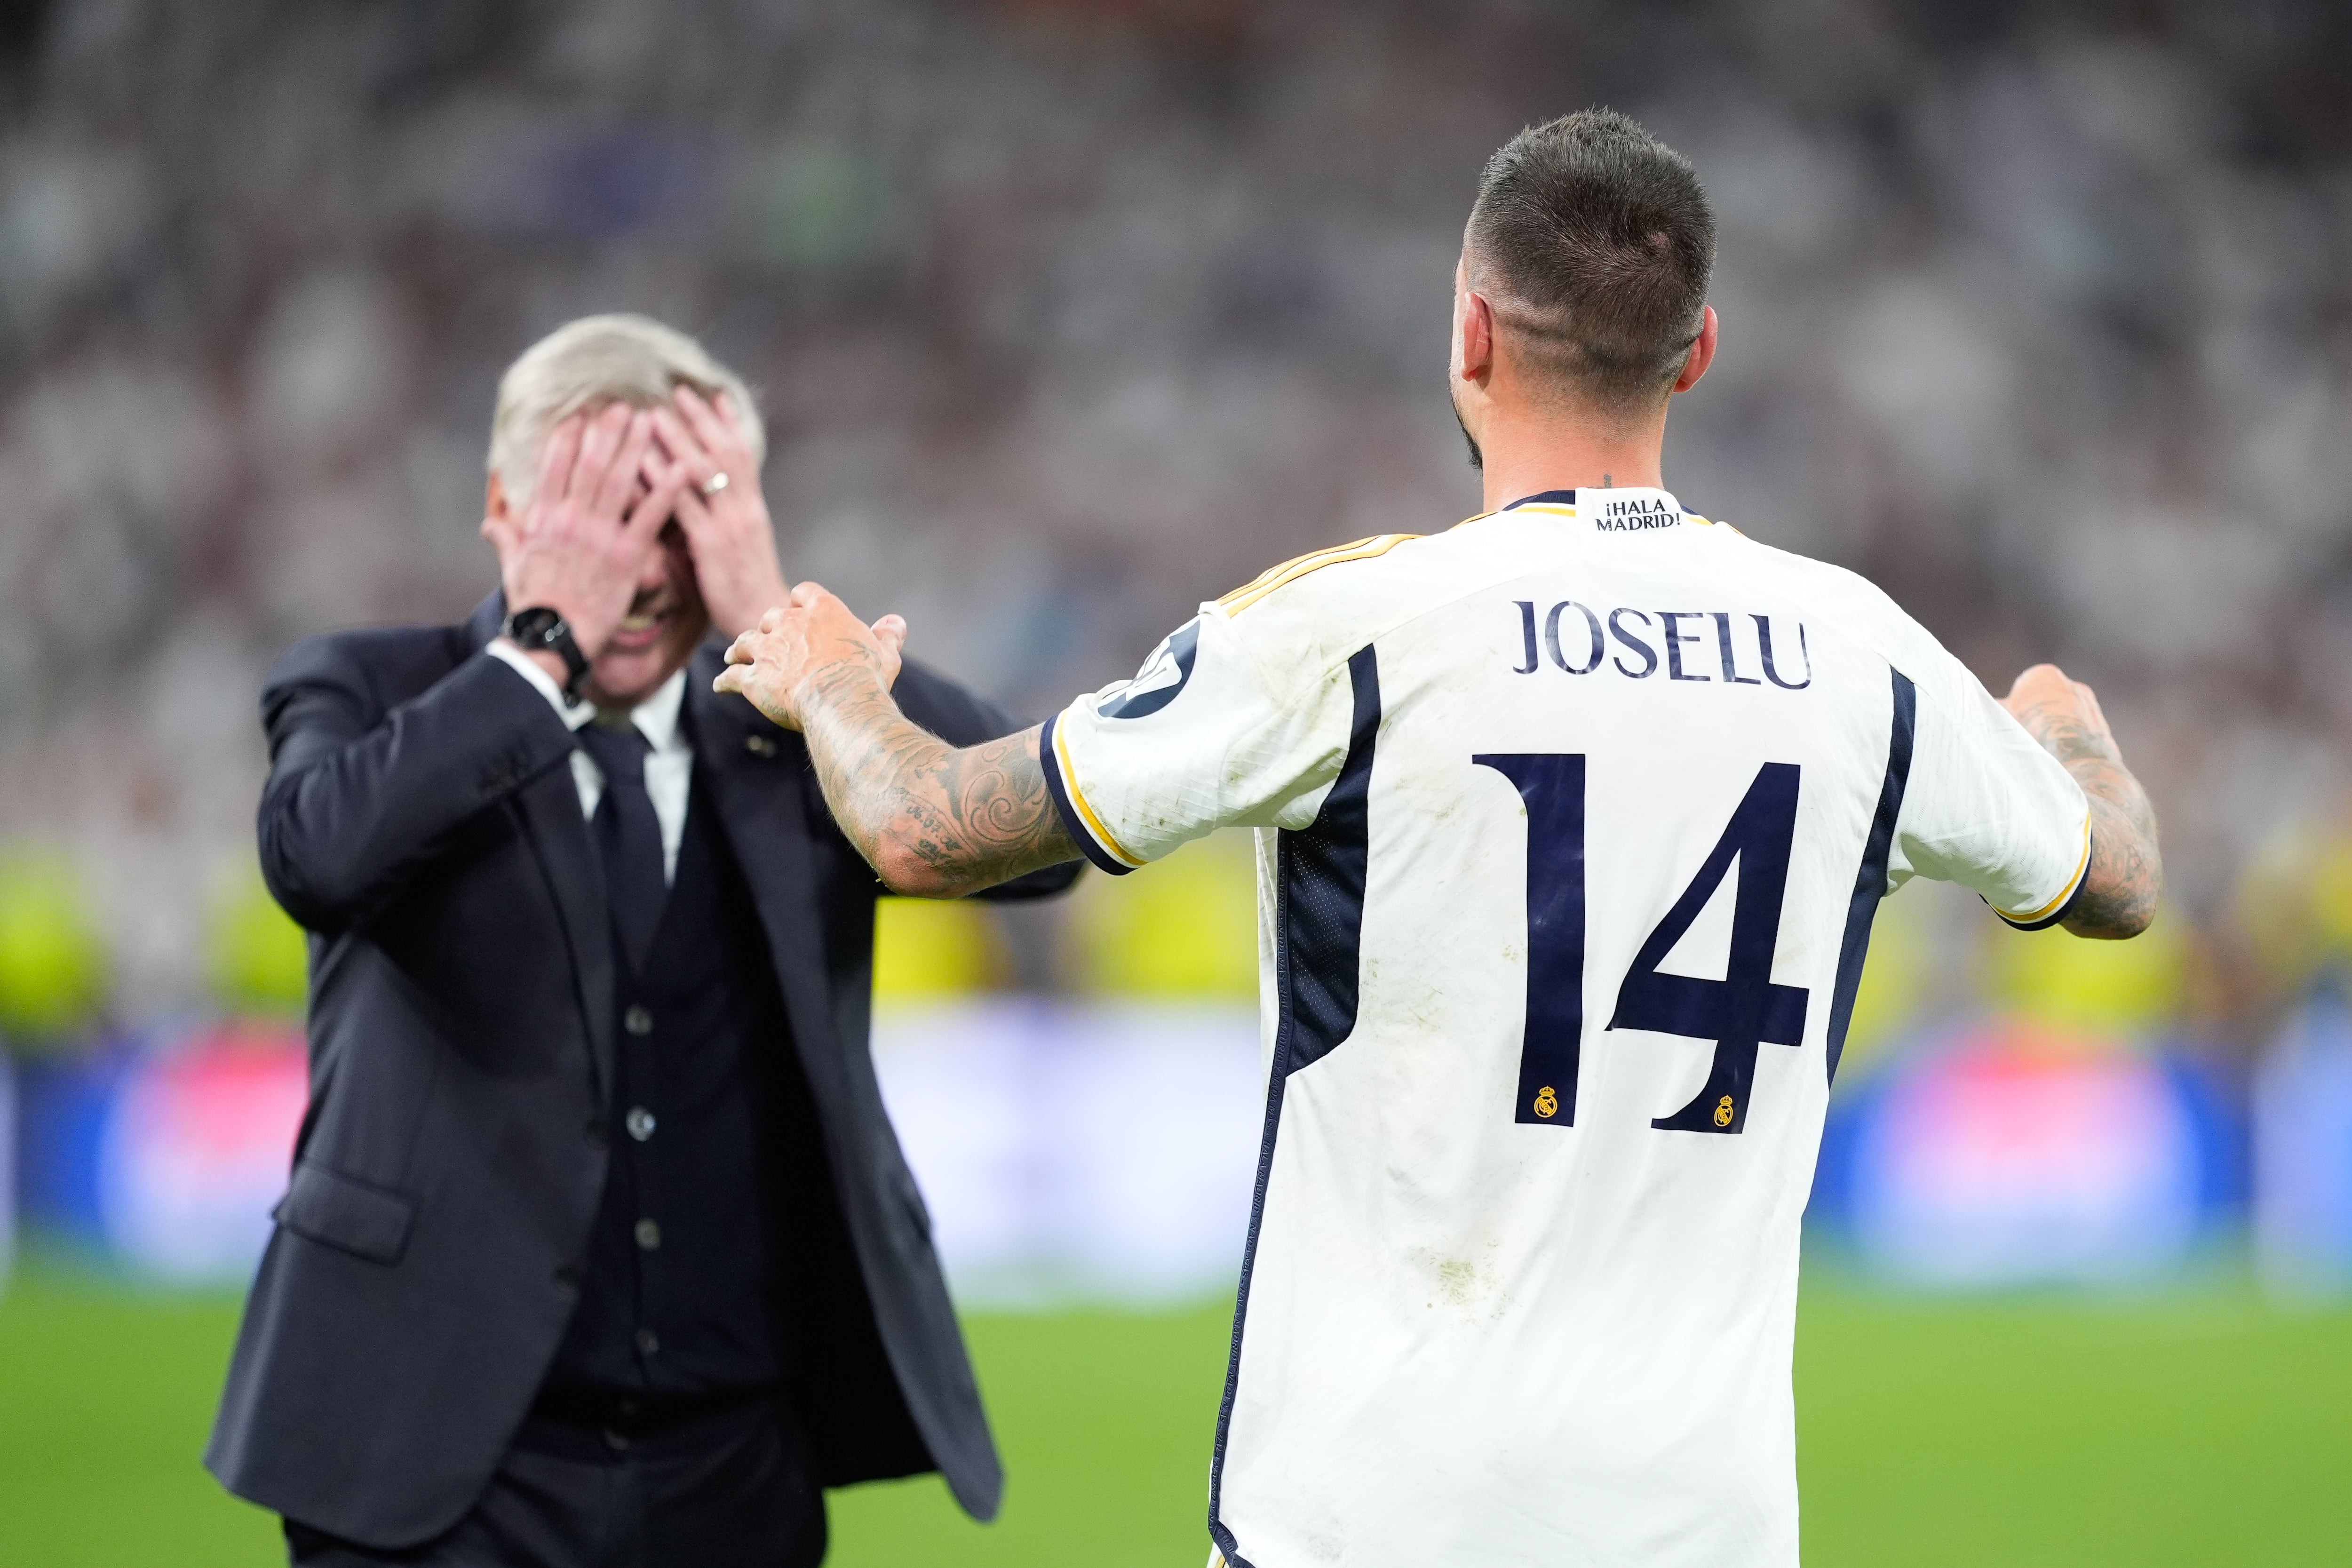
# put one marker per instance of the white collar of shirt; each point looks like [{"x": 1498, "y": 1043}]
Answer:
[{"x": 669, "y": 765}]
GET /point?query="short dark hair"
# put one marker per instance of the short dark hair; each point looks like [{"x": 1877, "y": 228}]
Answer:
[{"x": 1594, "y": 242}]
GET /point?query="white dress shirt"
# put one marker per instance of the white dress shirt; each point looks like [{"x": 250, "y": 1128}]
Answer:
[{"x": 669, "y": 766}]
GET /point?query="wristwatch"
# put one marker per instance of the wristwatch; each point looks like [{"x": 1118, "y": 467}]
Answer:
[{"x": 544, "y": 627}]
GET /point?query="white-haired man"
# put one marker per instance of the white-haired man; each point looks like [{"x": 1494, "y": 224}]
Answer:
[{"x": 598, "y": 1246}]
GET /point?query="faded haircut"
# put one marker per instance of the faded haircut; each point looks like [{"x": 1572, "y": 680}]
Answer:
[
  {"x": 1594, "y": 242},
  {"x": 594, "y": 361}
]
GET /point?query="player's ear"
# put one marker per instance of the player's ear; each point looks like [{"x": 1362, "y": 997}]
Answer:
[
  {"x": 1474, "y": 337},
  {"x": 1701, "y": 355},
  {"x": 494, "y": 499}
]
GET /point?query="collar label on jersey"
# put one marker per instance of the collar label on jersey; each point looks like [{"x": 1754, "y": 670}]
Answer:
[{"x": 1629, "y": 510}]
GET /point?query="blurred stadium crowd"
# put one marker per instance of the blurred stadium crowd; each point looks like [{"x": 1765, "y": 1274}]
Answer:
[{"x": 1068, "y": 314}]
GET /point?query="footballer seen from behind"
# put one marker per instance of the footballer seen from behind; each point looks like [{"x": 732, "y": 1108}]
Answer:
[{"x": 1571, "y": 822}]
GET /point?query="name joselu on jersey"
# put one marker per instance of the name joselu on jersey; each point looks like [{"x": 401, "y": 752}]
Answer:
[{"x": 1578, "y": 643}]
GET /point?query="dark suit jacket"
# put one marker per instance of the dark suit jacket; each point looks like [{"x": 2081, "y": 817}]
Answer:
[{"x": 422, "y": 822}]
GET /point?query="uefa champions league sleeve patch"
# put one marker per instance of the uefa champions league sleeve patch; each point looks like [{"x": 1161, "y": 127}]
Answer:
[{"x": 1163, "y": 675}]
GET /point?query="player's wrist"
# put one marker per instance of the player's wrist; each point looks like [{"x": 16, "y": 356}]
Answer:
[{"x": 848, "y": 683}]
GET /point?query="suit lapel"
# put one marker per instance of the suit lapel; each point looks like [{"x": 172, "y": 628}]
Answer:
[
  {"x": 549, "y": 806},
  {"x": 753, "y": 768}
]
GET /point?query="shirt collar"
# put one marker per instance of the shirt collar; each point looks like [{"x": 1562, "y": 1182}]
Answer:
[
  {"x": 1626, "y": 509},
  {"x": 656, "y": 718}
]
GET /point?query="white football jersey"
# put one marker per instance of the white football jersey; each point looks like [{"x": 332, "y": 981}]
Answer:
[{"x": 1571, "y": 824}]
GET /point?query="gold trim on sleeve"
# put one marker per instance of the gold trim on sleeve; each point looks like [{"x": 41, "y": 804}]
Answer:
[
  {"x": 2082, "y": 870},
  {"x": 1078, "y": 799}
]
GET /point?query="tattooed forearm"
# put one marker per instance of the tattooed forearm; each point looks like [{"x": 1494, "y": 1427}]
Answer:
[
  {"x": 2127, "y": 872},
  {"x": 933, "y": 820}
]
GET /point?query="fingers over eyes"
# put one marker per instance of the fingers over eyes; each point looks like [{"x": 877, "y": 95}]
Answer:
[
  {"x": 555, "y": 462},
  {"x": 679, "y": 440},
  {"x": 620, "y": 478},
  {"x": 693, "y": 511},
  {"x": 659, "y": 502},
  {"x": 599, "y": 438},
  {"x": 715, "y": 431}
]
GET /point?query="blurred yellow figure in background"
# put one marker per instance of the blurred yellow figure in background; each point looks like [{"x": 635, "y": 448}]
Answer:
[
  {"x": 52, "y": 967},
  {"x": 2095, "y": 992},
  {"x": 1894, "y": 980},
  {"x": 260, "y": 960},
  {"x": 928, "y": 949},
  {"x": 2295, "y": 903},
  {"x": 1182, "y": 928}
]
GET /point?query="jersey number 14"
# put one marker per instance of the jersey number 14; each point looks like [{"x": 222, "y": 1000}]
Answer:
[{"x": 1740, "y": 1012}]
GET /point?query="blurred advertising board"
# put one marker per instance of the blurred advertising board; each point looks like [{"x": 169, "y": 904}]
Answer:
[
  {"x": 167, "y": 1157},
  {"x": 7, "y": 1168},
  {"x": 2000, "y": 1155},
  {"x": 1068, "y": 1151},
  {"x": 2303, "y": 1153},
  {"x": 1078, "y": 1151},
  {"x": 1103, "y": 1151}
]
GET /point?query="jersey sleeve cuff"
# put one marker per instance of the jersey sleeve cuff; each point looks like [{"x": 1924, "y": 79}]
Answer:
[
  {"x": 1078, "y": 819},
  {"x": 2059, "y": 907}
]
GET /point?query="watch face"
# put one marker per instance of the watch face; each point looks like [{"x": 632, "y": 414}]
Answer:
[
  {"x": 542, "y": 627},
  {"x": 537, "y": 627}
]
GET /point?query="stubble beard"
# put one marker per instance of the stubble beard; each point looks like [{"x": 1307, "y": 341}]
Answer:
[{"x": 1477, "y": 458}]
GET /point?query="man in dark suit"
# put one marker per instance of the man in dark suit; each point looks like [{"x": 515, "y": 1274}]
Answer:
[{"x": 599, "y": 1247}]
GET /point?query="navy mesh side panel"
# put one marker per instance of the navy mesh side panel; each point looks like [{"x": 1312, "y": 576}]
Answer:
[
  {"x": 1870, "y": 880},
  {"x": 1323, "y": 889},
  {"x": 1318, "y": 938}
]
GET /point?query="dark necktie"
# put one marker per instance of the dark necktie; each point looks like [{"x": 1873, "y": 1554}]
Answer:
[{"x": 628, "y": 837}]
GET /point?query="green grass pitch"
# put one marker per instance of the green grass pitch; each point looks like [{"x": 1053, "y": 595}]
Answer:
[{"x": 2198, "y": 1429}]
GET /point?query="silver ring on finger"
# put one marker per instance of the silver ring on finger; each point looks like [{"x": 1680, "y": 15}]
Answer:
[{"x": 714, "y": 484}]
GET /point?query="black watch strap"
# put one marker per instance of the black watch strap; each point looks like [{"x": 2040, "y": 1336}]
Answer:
[{"x": 542, "y": 627}]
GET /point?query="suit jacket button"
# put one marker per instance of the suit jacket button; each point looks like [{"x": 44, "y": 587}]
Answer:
[
  {"x": 759, "y": 745},
  {"x": 599, "y": 1131},
  {"x": 638, "y": 1020},
  {"x": 648, "y": 1341}
]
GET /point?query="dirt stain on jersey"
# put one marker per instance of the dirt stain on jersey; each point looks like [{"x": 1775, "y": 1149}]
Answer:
[{"x": 1464, "y": 1284}]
